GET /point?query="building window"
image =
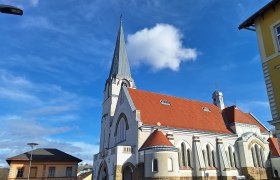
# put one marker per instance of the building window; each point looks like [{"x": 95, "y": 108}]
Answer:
[
  {"x": 209, "y": 159},
  {"x": 254, "y": 157},
  {"x": 189, "y": 158},
  {"x": 121, "y": 132},
  {"x": 20, "y": 172},
  {"x": 277, "y": 31},
  {"x": 231, "y": 157},
  {"x": 214, "y": 158},
  {"x": 258, "y": 156},
  {"x": 234, "y": 158},
  {"x": 33, "y": 172},
  {"x": 183, "y": 154},
  {"x": 170, "y": 164},
  {"x": 68, "y": 171},
  {"x": 51, "y": 172},
  {"x": 155, "y": 165}
]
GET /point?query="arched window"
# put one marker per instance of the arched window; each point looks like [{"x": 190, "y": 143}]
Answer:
[
  {"x": 189, "y": 158},
  {"x": 121, "y": 132},
  {"x": 183, "y": 155},
  {"x": 230, "y": 157},
  {"x": 169, "y": 164},
  {"x": 209, "y": 159},
  {"x": 214, "y": 158},
  {"x": 262, "y": 158},
  {"x": 155, "y": 165},
  {"x": 253, "y": 151},
  {"x": 234, "y": 158}
]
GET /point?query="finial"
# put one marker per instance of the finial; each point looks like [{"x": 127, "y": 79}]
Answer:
[
  {"x": 121, "y": 18},
  {"x": 216, "y": 86}
]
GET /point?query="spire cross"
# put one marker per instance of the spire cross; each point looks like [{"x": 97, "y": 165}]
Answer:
[{"x": 216, "y": 86}]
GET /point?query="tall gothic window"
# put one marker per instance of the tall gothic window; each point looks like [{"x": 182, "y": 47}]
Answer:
[
  {"x": 183, "y": 155},
  {"x": 189, "y": 158},
  {"x": 231, "y": 158},
  {"x": 209, "y": 159},
  {"x": 214, "y": 158},
  {"x": 121, "y": 132},
  {"x": 262, "y": 158},
  {"x": 258, "y": 156},
  {"x": 254, "y": 157},
  {"x": 234, "y": 158}
]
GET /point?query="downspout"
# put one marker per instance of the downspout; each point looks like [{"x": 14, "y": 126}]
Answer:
[{"x": 144, "y": 165}]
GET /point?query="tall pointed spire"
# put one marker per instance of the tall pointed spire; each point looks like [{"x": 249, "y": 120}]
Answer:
[{"x": 120, "y": 66}]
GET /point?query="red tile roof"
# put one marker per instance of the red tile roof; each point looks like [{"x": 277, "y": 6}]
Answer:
[
  {"x": 274, "y": 146},
  {"x": 157, "y": 138},
  {"x": 181, "y": 113},
  {"x": 235, "y": 115}
]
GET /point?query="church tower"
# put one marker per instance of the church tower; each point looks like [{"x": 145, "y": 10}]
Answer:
[
  {"x": 218, "y": 100},
  {"x": 119, "y": 76}
]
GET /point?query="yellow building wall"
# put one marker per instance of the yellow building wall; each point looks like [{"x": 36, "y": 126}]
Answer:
[
  {"x": 266, "y": 20},
  {"x": 42, "y": 169},
  {"x": 275, "y": 79},
  {"x": 269, "y": 50}
]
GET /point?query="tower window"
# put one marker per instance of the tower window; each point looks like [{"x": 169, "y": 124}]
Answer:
[
  {"x": 170, "y": 164},
  {"x": 155, "y": 165},
  {"x": 165, "y": 102}
]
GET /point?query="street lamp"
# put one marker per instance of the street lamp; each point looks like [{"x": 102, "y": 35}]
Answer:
[
  {"x": 11, "y": 10},
  {"x": 32, "y": 146}
]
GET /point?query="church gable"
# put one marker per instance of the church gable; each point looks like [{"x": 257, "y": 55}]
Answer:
[{"x": 124, "y": 126}]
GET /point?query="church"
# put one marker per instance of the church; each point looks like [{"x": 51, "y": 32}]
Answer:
[{"x": 147, "y": 135}]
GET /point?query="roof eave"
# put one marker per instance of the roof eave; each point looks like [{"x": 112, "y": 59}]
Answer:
[{"x": 251, "y": 20}]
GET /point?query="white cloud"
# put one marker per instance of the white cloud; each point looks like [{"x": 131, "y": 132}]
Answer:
[{"x": 160, "y": 47}]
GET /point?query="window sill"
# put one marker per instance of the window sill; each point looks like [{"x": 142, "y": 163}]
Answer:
[{"x": 185, "y": 168}]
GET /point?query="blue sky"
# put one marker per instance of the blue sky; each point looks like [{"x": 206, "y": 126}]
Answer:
[{"x": 55, "y": 59}]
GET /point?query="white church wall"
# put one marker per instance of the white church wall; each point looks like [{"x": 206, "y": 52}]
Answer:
[{"x": 241, "y": 128}]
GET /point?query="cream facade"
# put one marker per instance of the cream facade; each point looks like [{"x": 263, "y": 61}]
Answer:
[
  {"x": 128, "y": 150},
  {"x": 46, "y": 164},
  {"x": 42, "y": 170}
]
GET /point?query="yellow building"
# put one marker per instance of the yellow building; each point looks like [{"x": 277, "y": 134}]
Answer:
[
  {"x": 266, "y": 23},
  {"x": 47, "y": 164}
]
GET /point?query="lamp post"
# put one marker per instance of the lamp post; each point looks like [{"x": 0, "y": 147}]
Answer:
[
  {"x": 11, "y": 10},
  {"x": 32, "y": 146}
]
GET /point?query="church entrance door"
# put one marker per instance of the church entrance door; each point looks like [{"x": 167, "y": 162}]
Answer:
[{"x": 127, "y": 173}]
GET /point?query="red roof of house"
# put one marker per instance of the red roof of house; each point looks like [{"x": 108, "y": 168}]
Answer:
[
  {"x": 157, "y": 138},
  {"x": 181, "y": 113},
  {"x": 274, "y": 146},
  {"x": 235, "y": 115}
]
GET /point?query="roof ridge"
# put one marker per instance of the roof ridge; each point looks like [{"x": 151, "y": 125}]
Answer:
[{"x": 173, "y": 96}]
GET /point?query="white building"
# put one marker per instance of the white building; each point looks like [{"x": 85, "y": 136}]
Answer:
[{"x": 146, "y": 135}]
